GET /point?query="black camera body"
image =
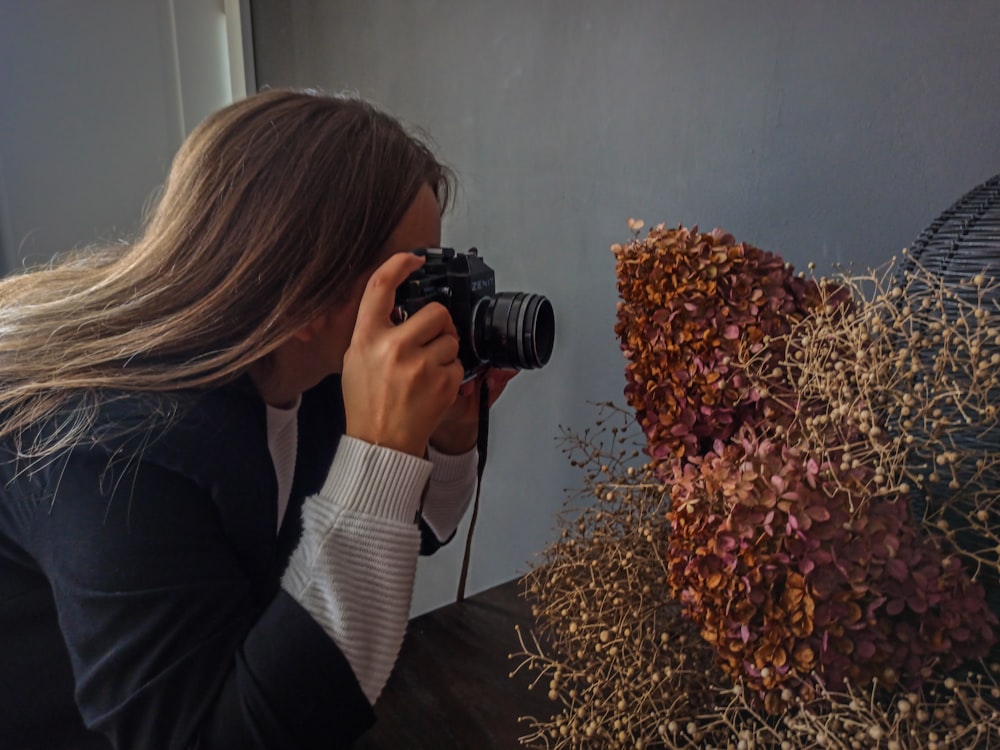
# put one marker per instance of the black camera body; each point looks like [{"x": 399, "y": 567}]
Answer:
[{"x": 512, "y": 330}]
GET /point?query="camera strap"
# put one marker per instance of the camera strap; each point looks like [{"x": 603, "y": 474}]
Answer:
[{"x": 481, "y": 443}]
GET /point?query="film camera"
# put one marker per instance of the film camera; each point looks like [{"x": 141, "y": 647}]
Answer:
[{"x": 512, "y": 330}]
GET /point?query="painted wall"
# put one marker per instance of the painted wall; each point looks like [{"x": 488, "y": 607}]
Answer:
[
  {"x": 95, "y": 98},
  {"x": 827, "y": 131}
]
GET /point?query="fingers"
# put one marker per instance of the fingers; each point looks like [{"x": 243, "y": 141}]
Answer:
[
  {"x": 380, "y": 293},
  {"x": 429, "y": 322},
  {"x": 443, "y": 349},
  {"x": 496, "y": 381}
]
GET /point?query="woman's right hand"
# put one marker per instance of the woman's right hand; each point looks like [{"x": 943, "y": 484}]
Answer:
[{"x": 399, "y": 379}]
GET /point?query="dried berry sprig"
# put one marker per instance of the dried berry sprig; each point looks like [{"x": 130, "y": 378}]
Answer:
[
  {"x": 908, "y": 383},
  {"x": 620, "y": 654},
  {"x": 949, "y": 712},
  {"x": 602, "y": 562},
  {"x": 587, "y": 592}
]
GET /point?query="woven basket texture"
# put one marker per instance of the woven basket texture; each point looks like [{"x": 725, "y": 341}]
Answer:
[{"x": 963, "y": 242}]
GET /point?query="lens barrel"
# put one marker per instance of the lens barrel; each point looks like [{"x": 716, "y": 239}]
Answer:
[{"x": 514, "y": 330}]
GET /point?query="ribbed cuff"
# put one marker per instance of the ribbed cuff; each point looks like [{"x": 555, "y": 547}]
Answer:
[
  {"x": 451, "y": 485},
  {"x": 450, "y": 468},
  {"x": 376, "y": 481}
]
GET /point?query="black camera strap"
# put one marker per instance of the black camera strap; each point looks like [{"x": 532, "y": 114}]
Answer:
[{"x": 481, "y": 443}]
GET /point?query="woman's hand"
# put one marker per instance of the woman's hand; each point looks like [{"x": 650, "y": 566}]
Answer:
[
  {"x": 399, "y": 380},
  {"x": 459, "y": 427}
]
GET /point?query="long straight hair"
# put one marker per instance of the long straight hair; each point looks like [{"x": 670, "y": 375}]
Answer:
[{"x": 273, "y": 206}]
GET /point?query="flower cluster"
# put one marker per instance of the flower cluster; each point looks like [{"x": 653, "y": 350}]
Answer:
[
  {"x": 796, "y": 584},
  {"x": 692, "y": 304},
  {"x": 624, "y": 668},
  {"x": 906, "y": 384},
  {"x": 801, "y": 561}
]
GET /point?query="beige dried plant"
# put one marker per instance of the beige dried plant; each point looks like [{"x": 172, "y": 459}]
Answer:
[{"x": 895, "y": 388}]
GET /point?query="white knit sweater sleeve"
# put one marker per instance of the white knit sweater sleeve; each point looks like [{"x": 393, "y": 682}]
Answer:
[
  {"x": 452, "y": 483},
  {"x": 354, "y": 568}
]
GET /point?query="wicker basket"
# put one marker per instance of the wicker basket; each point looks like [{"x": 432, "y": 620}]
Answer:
[{"x": 962, "y": 242}]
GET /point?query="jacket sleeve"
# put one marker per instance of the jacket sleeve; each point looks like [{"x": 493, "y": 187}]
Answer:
[
  {"x": 354, "y": 568},
  {"x": 171, "y": 640}
]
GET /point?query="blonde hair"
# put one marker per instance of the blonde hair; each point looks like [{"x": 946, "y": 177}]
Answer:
[{"x": 272, "y": 207}]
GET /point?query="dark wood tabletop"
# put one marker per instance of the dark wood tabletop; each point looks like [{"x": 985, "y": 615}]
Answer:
[{"x": 451, "y": 689}]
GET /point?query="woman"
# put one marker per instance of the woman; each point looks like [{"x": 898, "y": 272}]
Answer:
[{"x": 220, "y": 455}]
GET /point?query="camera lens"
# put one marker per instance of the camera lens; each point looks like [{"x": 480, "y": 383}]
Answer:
[{"x": 514, "y": 330}]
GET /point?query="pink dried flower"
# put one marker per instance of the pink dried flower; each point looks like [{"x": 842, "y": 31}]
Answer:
[
  {"x": 797, "y": 583},
  {"x": 796, "y": 574},
  {"x": 690, "y": 304}
]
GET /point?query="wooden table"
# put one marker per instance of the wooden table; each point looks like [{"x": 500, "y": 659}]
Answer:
[{"x": 450, "y": 689}]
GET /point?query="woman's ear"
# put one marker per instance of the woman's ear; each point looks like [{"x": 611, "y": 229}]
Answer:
[{"x": 309, "y": 331}]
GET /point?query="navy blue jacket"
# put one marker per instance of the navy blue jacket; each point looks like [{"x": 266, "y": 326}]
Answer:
[{"x": 139, "y": 586}]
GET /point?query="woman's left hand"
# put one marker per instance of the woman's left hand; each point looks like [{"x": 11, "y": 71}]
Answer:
[{"x": 458, "y": 429}]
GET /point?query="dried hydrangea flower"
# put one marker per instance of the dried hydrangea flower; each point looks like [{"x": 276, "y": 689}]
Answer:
[
  {"x": 763, "y": 581},
  {"x": 798, "y": 584},
  {"x": 691, "y": 303}
]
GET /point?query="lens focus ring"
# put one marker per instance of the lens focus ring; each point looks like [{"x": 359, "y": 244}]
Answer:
[{"x": 514, "y": 330}]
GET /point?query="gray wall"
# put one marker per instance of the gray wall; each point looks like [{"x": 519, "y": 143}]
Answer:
[
  {"x": 95, "y": 97},
  {"x": 829, "y": 132}
]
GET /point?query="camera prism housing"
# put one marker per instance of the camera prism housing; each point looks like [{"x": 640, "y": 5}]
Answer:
[{"x": 511, "y": 330}]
